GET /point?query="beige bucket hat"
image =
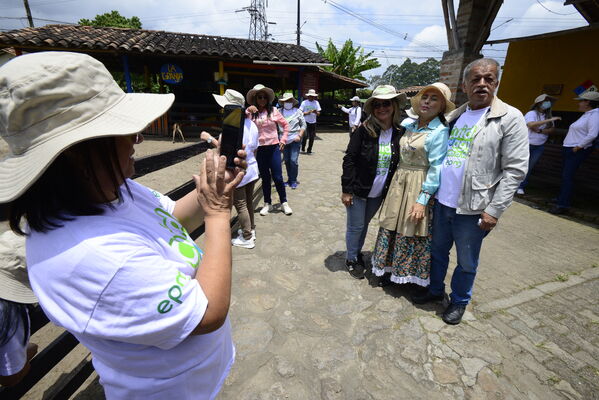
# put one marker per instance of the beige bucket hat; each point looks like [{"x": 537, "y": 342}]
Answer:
[
  {"x": 230, "y": 97},
  {"x": 14, "y": 281},
  {"x": 543, "y": 97},
  {"x": 251, "y": 96},
  {"x": 442, "y": 88},
  {"x": 385, "y": 92},
  {"x": 355, "y": 98},
  {"x": 50, "y": 101},
  {"x": 311, "y": 92},
  {"x": 289, "y": 96}
]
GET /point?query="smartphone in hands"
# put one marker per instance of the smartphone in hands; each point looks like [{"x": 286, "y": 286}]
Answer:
[{"x": 232, "y": 136}]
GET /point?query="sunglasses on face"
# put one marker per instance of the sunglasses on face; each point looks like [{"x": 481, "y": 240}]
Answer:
[{"x": 379, "y": 104}]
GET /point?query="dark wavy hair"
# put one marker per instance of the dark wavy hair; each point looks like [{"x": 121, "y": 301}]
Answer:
[{"x": 69, "y": 187}]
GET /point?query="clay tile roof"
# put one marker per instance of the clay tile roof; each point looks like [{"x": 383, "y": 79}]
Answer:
[{"x": 141, "y": 41}]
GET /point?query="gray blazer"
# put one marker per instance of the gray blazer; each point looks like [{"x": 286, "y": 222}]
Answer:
[{"x": 497, "y": 163}]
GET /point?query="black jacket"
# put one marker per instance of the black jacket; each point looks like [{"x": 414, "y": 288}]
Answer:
[{"x": 360, "y": 162}]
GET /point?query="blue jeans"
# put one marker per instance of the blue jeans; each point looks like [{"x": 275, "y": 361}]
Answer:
[
  {"x": 571, "y": 163},
  {"x": 535, "y": 154},
  {"x": 291, "y": 155},
  {"x": 359, "y": 215},
  {"x": 269, "y": 165},
  {"x": 463, "y": 230}
]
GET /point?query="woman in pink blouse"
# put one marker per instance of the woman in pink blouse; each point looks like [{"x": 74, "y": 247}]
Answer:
[{"x": 268, "y": 155}]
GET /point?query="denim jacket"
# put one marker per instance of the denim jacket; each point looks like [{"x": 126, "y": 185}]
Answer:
[{"x": 498, "y": 160}]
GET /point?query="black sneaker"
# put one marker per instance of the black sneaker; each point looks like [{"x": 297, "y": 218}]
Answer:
[
  {"x": 454, "y": 313},
  {"x": 361, "y": 260},
  {"x": 427, "y": 297},
  {"x": 355, "y": 269},
  {"x": 381, "y": 281},
  {"x": 557, "y": 210}
]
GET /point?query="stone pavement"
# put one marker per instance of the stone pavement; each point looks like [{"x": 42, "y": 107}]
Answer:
[{"x": 304, "y": 329}]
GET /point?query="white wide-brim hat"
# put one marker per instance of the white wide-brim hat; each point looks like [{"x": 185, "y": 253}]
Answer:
[
  {"x": 14, "y": 280},
  {"x": 355, "y": 98},
  {"x": 50, "y": 101},
  {"x": 311, "y": 92},
  {"x": 288, "y": 96},
  {"x": 231, "y": 97},
  {"x": 385, "y": 92},
  {"x": 440, "y": 88},
  {"x": 543, "y": 97},
  {"x": 251, "y": 95}
]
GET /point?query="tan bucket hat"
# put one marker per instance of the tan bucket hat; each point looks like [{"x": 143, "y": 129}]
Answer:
[
  {"x": 14, "y": 281},
  {"x": 231, "y": 97},
  {"x": 385, "y": 92},
  {"x": 289, "y": 96},
  {"x": 311, "y": 92},
  {"x": 251, "y": 96},
  {"x": 442, "y": 88},
  {"x": 543, "y": 97},
  {"x": 50, "y": 101}
]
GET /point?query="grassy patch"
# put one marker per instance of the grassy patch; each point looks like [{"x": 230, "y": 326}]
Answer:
[
  {"x": 554, "y": 380},
  {"x": 562, "y": 277},
  {"x": 497, "y": 370}
]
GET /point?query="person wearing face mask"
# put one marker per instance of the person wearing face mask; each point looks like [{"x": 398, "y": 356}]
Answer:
[
  {"x": 402, "y": 250},
  {"x": 297, "y": 127},
  {"x": 540, "y": 125}
]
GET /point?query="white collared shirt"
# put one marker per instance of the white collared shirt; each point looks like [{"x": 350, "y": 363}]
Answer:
[{"x": 584, "y": 130}]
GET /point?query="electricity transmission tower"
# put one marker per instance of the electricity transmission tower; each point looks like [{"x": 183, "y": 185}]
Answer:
[{"x": 258, "y": 23}]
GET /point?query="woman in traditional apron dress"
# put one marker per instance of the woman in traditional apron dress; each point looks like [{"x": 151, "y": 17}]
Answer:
[{"x": 402, "y": 249}]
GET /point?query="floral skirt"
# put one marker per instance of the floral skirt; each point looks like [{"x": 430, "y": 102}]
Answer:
[{"x": 407, "y": 258}]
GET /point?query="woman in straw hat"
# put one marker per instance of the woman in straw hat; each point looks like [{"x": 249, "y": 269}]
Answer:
[
  {"x": 311, "y": 109},
  {"x": 15, "y": 295},
  {"x": 369, "y": 163},
  {"x": 402, "y": 249},
  {"x": 109, "y": 259},
  {"x": 540, "y": 125},
  {"x": 354, "y": 114},
  {"x": 297, "y": 127},
  {"x": 267, "y": 118}
]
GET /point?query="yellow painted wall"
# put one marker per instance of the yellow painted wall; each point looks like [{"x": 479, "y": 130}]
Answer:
[{"x": 569, "y": 59}]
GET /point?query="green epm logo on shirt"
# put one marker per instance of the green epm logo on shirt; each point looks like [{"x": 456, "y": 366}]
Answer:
[{"x": 181, "y": 242}]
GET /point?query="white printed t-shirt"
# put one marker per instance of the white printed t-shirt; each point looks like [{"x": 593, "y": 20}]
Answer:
[
  {"x": 458, "y": 151},
  {"x": 308, "y": 105},
  {"x": 122, "y": 283},
  {"x": 384, "y": 161},
  {"x": 535, "y": 138}
]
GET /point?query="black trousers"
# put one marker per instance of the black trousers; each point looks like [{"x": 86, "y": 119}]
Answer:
[{"x": 309, "y": 137}]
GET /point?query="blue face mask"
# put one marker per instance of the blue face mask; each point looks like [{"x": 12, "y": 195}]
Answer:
[{"x": 545, "y": 105}]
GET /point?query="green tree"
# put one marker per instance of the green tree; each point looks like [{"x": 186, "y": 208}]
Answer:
[
  {"x": 409, "y": 74},
  {"x": 348, "y": 61},
  {"x": 113, "y": 19}
]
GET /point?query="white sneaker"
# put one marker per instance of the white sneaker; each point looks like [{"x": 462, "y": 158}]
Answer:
[
  {"x": 286, "y": 209},
  {"x": 245, "y": 243},
  {"x": 266, "y": 209},
  {"x": 520, "y": 191},
  {"x": 240, "y": 233}
]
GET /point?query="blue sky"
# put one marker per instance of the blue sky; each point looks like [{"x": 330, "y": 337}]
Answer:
[{"x": 410, "y": 28}]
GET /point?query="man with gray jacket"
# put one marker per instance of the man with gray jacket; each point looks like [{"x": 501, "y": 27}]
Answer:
[{"x": 487, "y": 158}]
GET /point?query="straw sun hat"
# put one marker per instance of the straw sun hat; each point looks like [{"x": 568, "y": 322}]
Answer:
[
  {"x": 439, "y": 87},
  {"x": 385, "y": 92},
  {"x": 251, "y": 96},
  {"x": 543, "y": 97},
  {"x": 311, "y": 92},
  {"x": 289, "y": 96},
  {"x": 50, "y": 101}
]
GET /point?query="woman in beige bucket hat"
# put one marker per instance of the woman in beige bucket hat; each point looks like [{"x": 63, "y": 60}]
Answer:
[
  {"x": 402, "y": 249},
  {"x": 110, "y": 260},
  {"x": 369, "y": 163}
]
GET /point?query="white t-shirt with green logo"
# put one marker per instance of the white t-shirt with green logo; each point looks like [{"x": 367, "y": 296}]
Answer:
[
  {"x": 458, "y": 151},
  {"x": 384, "y": 161},
  {"x": 122, "y": 283}
]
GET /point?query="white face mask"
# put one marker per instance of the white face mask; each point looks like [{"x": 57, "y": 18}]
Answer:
[{"x": 287, "y": 105}]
